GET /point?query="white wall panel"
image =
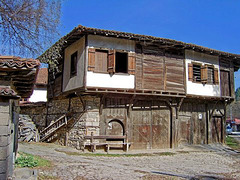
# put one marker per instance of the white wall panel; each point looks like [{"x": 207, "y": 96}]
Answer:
[
  {"x": 38, "y": 95},
  {"x": 70, "y": 83},
  {"x": 106, "y": 80},
  {"x": 199, "y": 88}
]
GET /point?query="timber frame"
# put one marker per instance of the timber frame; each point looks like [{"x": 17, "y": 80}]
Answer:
[{"x": 153, "y": 103}]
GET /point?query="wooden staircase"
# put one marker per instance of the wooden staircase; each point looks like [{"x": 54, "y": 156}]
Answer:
[{"x": 48, "y": 133}]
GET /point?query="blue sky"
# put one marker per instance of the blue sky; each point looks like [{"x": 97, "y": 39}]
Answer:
[{"x": 210, "y": 23}]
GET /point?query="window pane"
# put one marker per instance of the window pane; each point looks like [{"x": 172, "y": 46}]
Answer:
[
  {"x": 210, "y": 75},
  {"x": 196, "y": 73}
]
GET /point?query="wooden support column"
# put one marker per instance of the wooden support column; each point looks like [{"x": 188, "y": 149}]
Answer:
[
  {"x": 46, "y": 118},
  {"x": 83, "y": 103},
  {"x": 101, "y": 104},
  {"x": 179, "y": 104},
  {"x": 207, "y": 124},
  {"x": 172, "y": 122},
  {"x": 129, "y": 110},
  {"x": 66, "y": 136}
]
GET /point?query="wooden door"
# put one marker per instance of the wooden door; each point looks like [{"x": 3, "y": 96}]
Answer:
[
  {"x": 150, "y": 125},
  {"x": 140, "y": 126},
  {"x": 225, "y": 83},
  {"x": 217, "y": 130}
]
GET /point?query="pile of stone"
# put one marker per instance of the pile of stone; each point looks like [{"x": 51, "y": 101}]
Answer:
[{"x": 27, "y": 130}]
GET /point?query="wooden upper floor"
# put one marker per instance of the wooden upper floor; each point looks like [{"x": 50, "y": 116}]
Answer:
[{"x": 93, "y": 60}]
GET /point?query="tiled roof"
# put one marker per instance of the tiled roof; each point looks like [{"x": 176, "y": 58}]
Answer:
[
  {"x": 80, "y": 31},
  {"x": 6, "y": 91},
  {"x": 20, "y": 73},
  {"x": 42, "y": 76},
  {"x": 18, "y": 63}
]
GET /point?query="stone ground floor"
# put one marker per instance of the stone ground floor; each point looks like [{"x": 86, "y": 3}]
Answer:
[
  {"x": 187, "y": 162},
  {"x": 143, "y": 122}
]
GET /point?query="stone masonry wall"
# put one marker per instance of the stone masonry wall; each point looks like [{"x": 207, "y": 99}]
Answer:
[
  {"x": 37, "y": 112},
  {"x": 4, "y": 139},
  {"x": 84, "y": 122}
]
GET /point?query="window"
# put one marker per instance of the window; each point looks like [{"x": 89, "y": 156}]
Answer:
[
  {"x": 73, "y": 71},
  {"x": 111, "y": 61},
  {"x": 121, "y": 65},
  {"x": 101, "y": 58},
  {"x": 205, "y": 74},
  {"x": 196, "y": 73},
  {"x": 210, "y": 75}
]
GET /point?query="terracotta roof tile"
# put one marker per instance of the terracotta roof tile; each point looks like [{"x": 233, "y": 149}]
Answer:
[
  {"x": 6, "y": 91},
  {"x": 42, "y": 76},
  {"x": 80, "y": 30},
  {"x": 18, "y": 63}
]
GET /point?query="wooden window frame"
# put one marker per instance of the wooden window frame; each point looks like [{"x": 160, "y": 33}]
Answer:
[
  {"x": 193, "y": 79},
  {"x": 203, "y": 73},
  {"x": 127, "y": 66},
  {"x": 73, "y": 64},
  {"x": 111, "y": 61},
  {"x": 212, "y": 67}
]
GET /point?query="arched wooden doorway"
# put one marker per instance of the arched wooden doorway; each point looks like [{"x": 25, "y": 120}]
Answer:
[{"x": 115, "y": 127}]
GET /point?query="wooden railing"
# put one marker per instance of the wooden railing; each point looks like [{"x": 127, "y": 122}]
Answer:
[{"x": 49, "y": 131}]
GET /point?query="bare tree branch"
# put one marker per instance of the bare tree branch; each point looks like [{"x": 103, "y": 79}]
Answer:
[{"x": 27, "y": 27}]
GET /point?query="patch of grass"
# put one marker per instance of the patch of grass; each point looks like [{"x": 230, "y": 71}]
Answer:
[
  {"x": 183, "y": 152},
  {"x": 165, "y": 154},
  {"x": 28, "y": 160},
  {"x": 232, "y": 143},
  {"x": 114, "y": 155},
  {"x": 44, "y": 177}
]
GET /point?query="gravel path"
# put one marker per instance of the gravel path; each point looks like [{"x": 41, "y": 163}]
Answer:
[{"x": 184, "y": 163}]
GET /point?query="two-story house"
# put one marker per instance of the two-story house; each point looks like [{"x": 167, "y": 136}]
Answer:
[{"x": 144, "y": 91}]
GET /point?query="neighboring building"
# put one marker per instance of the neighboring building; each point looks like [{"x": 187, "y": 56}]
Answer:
[
  {"x": 147, "y": 91},
  {"x": 40, "y": 87},
  {"x": 17, "y": 77}
]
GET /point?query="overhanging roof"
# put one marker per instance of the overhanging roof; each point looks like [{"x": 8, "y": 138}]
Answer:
[
  {"x": 54, "y": 52},
  {"x": 18, "y": 73}
]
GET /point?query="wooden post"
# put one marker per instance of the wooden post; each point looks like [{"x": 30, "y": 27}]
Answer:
[
  {"x": 91, "y": 140},
  {"x": 66, "y": 138}
]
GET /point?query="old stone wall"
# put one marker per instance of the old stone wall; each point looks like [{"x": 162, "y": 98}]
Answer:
[
  {"x": 149, "y": 124},
  {"x": 84, "y": 110},
  {"x": 37, "y": 112},
  {"x": 8, "y": 136},
  {"x": 5, "y": 131}
]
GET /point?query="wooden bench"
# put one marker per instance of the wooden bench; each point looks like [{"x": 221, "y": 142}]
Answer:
[{"x": 93, "y": 145}]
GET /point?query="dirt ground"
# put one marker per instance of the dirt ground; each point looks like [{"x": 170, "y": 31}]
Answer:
[{"x": 189, "y": 162}]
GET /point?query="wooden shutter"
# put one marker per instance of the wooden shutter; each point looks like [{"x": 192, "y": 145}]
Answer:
[
  {"x": 216, "y": 79},
  {"x": 190, "y": 72},
  {"x": 131, "y": 62},
  {"x": 204, "y": 73},
  {"x": 111, "y": 61},
  {"x": 91, "y": 59}
]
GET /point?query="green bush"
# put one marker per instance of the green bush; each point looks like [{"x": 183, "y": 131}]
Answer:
[{"x": 28, "y": 160}]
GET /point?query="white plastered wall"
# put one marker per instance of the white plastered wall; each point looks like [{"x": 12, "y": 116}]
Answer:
[
  {"x": 105, "y": 79},
  {"x": 70, "y": 83},
  {"x": 39, "y": 95},
  {"x": 199, "y": 88}
]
